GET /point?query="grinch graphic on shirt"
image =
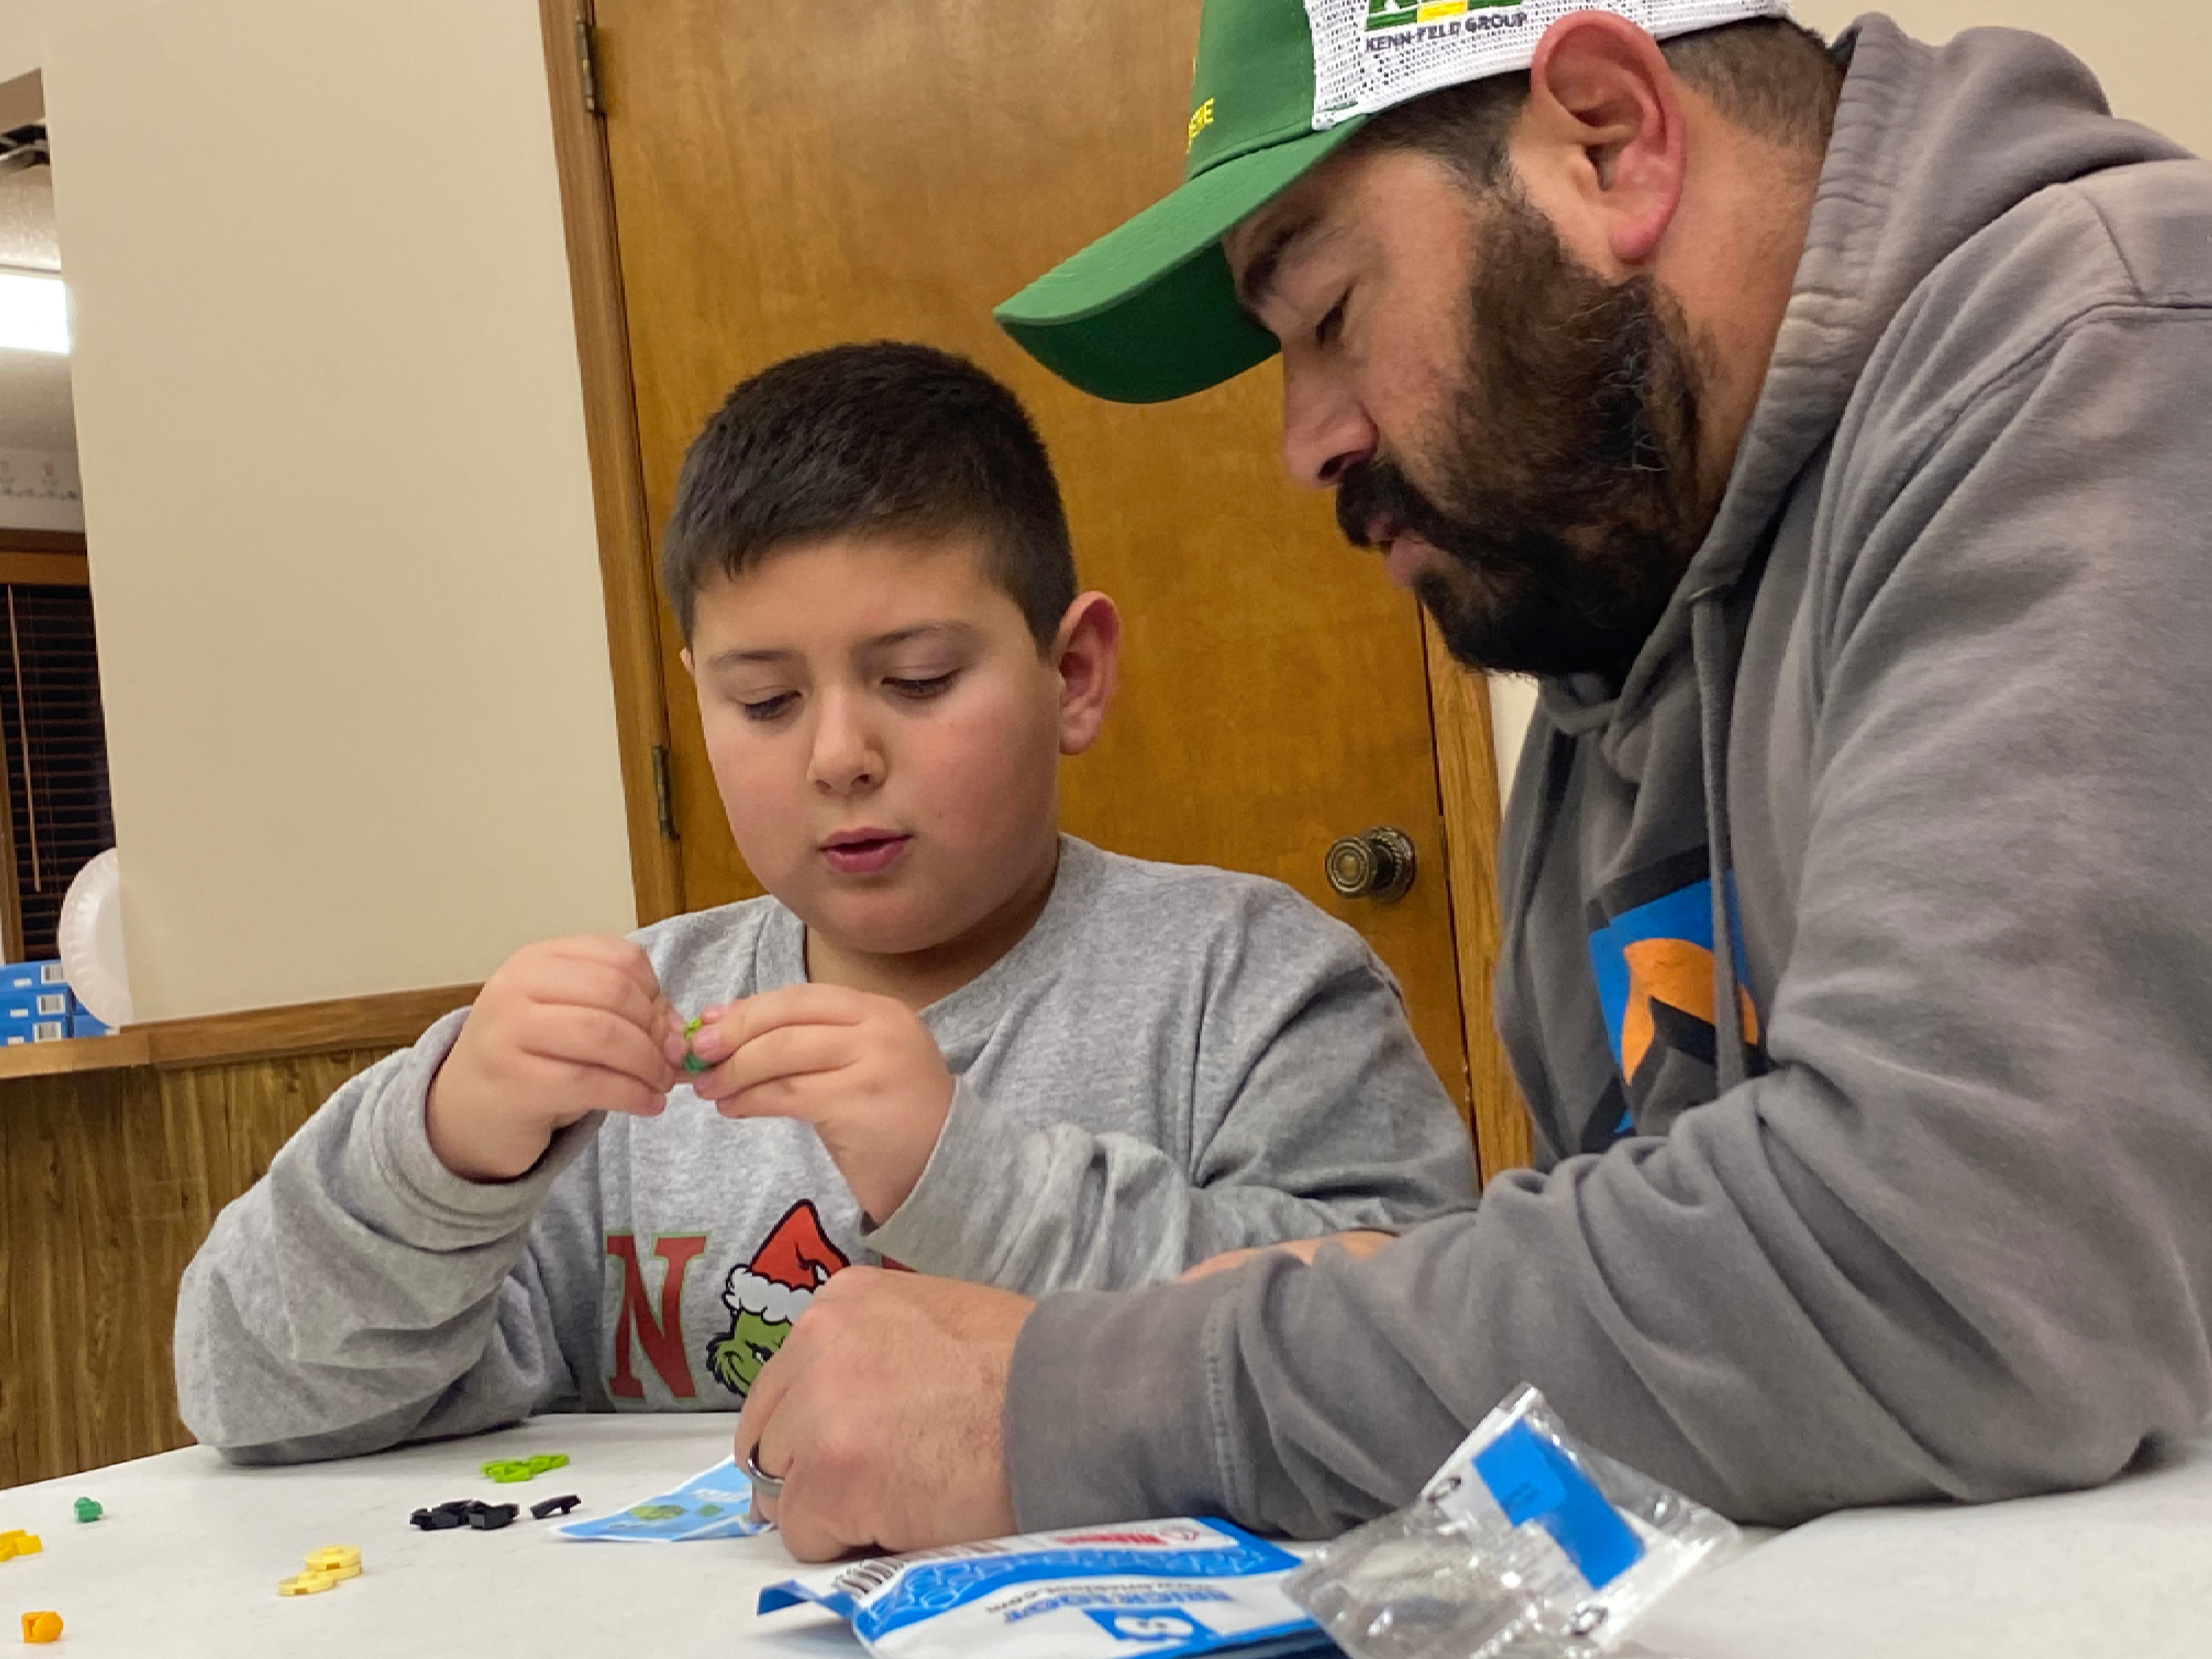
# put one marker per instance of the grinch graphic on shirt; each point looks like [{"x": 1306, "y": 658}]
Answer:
[{"x": 766, "y": 1294}]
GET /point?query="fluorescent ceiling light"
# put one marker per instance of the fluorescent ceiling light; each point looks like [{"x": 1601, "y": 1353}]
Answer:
[{"x": 33, "y": 312}]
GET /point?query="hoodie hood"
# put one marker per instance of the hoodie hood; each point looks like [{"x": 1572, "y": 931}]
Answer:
[
  {"x": 2012, "y": 113},
  {"x": 1621, "y": 825}
]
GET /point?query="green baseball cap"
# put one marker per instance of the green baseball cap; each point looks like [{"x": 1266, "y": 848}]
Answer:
[{"x": 1149, "y": 311}]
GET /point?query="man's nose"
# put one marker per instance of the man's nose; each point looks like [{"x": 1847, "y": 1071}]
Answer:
[
  {"x": 1325, "y": 427},
  {"x": 846, "y": 757}
]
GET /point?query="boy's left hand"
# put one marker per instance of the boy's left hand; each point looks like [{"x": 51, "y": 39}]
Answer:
[{"x": 863, "y": 1069}]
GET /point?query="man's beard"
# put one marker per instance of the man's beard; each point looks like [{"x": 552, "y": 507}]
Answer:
[{"x": 1568, "y": 498}]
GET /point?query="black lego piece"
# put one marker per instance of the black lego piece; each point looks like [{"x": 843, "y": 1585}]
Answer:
[
  {"x": 439, "y": 1520},
  {"x": 490, "y": 1518},
  {"x": 560, "y": 1505}
]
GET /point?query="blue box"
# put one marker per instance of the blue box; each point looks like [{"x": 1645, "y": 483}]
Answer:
[
  {"x": 82, "y": 1024},
  {"x": 16, "y": 1032},
  {"x": 21, "y": 1008},
  {"x": 28, "y": 976}
]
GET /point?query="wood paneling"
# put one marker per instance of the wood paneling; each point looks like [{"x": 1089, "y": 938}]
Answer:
[
  {"x": 44, "y": 569},
  {"x": 1467, "y": 781},
  {"x": 387, "y": 1021},
  {"x": 42, "y": 541},
  {"x": 107, "y": 1053},
  {"x": 108, "y": 1182}
]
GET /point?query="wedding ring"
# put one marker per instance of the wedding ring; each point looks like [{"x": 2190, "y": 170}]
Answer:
[{"x": 765, "y": 1484}]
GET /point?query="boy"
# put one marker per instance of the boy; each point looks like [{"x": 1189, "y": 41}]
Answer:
[{"x": 952, "y": 1038}]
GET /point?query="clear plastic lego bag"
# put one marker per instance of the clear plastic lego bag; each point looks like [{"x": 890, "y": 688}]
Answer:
[{"x": 1525, "y": 1544}]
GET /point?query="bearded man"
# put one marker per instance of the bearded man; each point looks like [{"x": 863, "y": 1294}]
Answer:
[{"x": 1830, "y": 430}]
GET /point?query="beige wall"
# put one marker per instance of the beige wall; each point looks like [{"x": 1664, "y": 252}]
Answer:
[
  {"x": 2155, "y": 58},
  {"x": 352, "y": 641}
]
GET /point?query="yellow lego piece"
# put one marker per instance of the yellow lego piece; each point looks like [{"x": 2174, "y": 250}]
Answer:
[
  {"x": 339, "y": 1560},
  {"x": 42, "y": 1626},
  {"x": 19, "y": 1542},
  {"x": 307, "y": 1583}
]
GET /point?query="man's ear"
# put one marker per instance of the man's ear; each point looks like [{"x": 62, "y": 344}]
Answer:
[
  {"x": 1601, "y": 147},
  {"x": 1087, "y": 654}
]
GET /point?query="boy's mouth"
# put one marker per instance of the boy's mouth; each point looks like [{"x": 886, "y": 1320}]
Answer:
[{"x": 864, "y": 851}]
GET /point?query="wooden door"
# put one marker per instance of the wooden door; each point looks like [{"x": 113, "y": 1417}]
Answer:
[{"x": 786, "y": 175}]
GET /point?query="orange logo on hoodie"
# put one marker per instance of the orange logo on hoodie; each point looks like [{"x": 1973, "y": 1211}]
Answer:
[{"x": 1679, "y": 974}]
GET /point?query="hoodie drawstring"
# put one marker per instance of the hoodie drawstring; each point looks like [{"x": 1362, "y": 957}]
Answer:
[{"x": 1716, "y": 697}]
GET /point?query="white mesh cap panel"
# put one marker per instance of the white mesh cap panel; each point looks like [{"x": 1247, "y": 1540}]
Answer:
[{"x": 1371, "y": 54}]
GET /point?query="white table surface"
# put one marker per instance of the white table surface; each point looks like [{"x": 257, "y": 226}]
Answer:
[{"x": 186, "y": 1562}]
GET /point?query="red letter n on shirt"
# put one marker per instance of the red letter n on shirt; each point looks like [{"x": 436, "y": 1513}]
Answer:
[{"x": 662, "y": 1338}]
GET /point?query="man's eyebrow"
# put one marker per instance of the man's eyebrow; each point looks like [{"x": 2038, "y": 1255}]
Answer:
[{"x": 1257, "y": 281}]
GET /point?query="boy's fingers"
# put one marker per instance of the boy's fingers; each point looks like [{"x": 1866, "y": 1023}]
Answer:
[
  {"x": 582, "y": 983},
  {"x": 747, "y": 1019},
  {"x": 596, "y": 1041},
  {"x": 786, "y": 1051},
  {"x": 625, "y": 956}
]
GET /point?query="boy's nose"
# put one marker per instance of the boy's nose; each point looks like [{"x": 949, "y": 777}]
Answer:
[{"x": 845, "y": 758}]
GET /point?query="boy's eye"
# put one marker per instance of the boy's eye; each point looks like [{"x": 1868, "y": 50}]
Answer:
[
  {"x": 769, "y": 707},
  {"x": 921, "y": 690},
  {"x": 1333, "y": 325}
]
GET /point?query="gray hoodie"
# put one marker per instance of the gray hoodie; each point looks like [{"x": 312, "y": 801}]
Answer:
[
  {"x": 1175, "y": 1061},
  {"x": 1931, "y": 1215}
]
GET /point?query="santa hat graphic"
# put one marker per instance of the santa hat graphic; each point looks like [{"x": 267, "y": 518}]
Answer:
[{"x": 794, "y": 1261}]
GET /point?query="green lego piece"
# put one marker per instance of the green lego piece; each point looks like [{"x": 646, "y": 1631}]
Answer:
[
  {"x": 506, "y": 1472},
  {"x": 692, "y": 1063},
  {"x": 544, "y": 1461},
  {"x": 87, "y": 1509}
]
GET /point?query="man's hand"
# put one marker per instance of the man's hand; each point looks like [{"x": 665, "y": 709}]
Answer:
[
  {"x": 1360, "y": 1244},
  {"x": 883, "y": 1415},
  {"x": 862, "y": 1069},
  {"x": 564, "y": 1029}
]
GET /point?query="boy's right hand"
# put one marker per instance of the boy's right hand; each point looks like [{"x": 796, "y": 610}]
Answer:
[{"x": 564, "y": 1029}]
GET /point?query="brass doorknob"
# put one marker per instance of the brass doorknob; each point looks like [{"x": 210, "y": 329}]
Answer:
[{"x": 1378, "y": 865}]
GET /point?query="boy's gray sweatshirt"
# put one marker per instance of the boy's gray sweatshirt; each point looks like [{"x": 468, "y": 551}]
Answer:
[
  {"x": 1175, "y": 1061},
  {"x": 1931, "y": 704}
]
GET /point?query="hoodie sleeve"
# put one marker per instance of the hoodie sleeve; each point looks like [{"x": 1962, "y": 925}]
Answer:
[
  {"x": 361, "y": 1294},
  {"x": 1954, "y": 1244},
  {"x": 1316, "y": 1112}
]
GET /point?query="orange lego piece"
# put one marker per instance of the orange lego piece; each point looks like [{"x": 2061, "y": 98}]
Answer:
[{"x": 42, "y": 1626}]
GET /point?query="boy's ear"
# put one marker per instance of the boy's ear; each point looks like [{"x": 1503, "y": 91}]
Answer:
[
  {"x": 1087, "y": 654},
  {"x": 689, "y": 667}
]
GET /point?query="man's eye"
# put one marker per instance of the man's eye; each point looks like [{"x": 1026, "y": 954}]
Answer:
[
  {"x": 1333, "y": 325},
  {"x": 769, "y": 708},
  {"x": 921, "y": 690}
]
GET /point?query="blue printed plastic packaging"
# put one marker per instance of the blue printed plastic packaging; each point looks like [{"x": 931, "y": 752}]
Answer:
[
  {"x": 1161, "y": 1589},
  {"x": 715, "y": 1503},
  {"x": 1526, "y": 1544}
]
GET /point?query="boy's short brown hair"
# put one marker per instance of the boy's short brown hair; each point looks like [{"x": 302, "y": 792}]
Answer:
[{"x": 890, "y": 437}]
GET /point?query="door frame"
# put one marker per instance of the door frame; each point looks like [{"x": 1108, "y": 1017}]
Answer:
[
  {"x": 1463, "y": 748},
  {"x": 617, "y": 463}
]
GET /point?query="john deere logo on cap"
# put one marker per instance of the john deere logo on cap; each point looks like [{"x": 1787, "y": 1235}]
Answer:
[
  {"x": 1201, "y": 118},
  {"x": 1408, "y": 14}
]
